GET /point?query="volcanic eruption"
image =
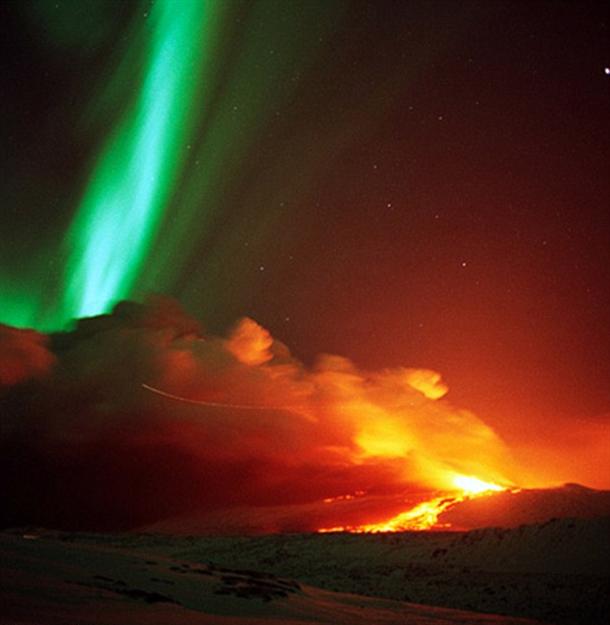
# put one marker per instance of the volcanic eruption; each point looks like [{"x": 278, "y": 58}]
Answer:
[
  {"x": 169, "y": 422},
  {"x": 304, "y": 293}
]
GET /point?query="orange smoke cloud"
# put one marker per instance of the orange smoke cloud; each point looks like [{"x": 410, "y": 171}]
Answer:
[
  {"x": 166, "y": 421},
  {"x": 250, "y": 343},
  {"x": 23, "y": 355}
]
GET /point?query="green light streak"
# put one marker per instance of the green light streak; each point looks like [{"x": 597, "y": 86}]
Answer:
[
  {"x": 279, "y": 43},
  {"x": 176, "y": 189},
  {"x": 114, "y": 229}
]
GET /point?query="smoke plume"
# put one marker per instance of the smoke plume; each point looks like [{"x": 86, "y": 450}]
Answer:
[{"x": 139, "y": 416}]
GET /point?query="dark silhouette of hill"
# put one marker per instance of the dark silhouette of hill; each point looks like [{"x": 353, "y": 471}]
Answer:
[{"x": 511, "y": 509}]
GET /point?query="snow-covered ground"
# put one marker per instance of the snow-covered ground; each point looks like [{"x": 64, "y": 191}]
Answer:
[
  {"x": 52, "y": 581},
  {"x": 556, "y": 572}
]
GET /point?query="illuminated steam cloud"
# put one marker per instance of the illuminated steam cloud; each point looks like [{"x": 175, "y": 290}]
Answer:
[{"x": 139, "y": 416}]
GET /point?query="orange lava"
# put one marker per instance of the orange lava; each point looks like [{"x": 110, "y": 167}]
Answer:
[{"x": 424, "y": 516}]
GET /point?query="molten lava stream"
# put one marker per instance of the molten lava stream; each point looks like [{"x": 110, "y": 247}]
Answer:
[{"x": 424, "y": 516}]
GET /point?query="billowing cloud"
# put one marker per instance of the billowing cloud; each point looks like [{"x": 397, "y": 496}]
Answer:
[
  {"x": 143, "y": 417},
  {"x": 23, "y": 355}
]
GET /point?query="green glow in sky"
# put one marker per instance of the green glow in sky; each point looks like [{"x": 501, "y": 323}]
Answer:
[
  {"x": 174, "y": 201},
  {"x": 132, "y": 181}
]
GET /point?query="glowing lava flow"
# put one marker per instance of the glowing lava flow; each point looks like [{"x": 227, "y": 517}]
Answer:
[{"x": 424, "y": 516}]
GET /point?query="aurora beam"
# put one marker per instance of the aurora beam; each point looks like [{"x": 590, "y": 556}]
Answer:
[{"x": 114, "y": 228}]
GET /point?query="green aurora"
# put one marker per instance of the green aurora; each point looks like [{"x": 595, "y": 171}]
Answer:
[
  {"x": 212, "y": 73},
  {"x": 116, "y": 224}
]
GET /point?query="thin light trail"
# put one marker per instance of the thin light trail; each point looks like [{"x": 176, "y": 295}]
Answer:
[{"x": 213, "y": 404}]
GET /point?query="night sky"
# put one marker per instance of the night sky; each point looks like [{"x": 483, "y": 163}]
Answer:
[{"x": 401, "y": 183}]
